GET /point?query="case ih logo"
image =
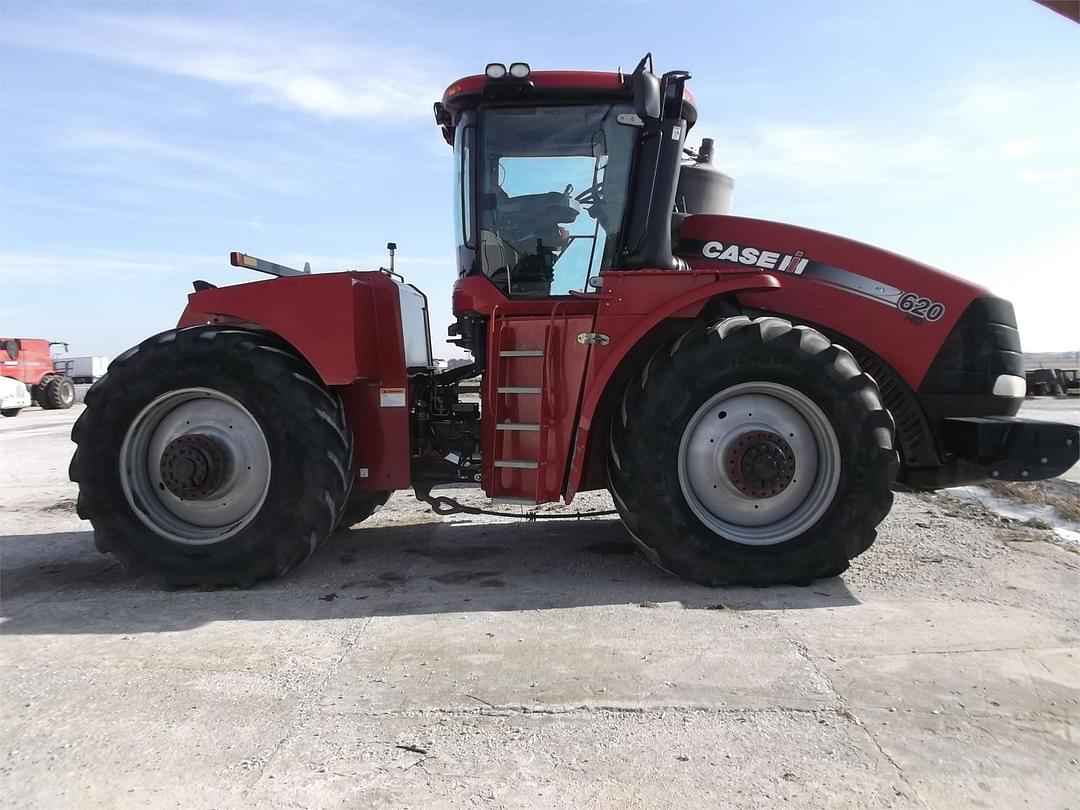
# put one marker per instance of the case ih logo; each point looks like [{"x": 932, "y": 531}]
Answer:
[
  {"x": 756, "y": 257},
  {"x": 916, "y": 307}
]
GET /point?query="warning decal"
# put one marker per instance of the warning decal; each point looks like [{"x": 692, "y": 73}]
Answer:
[{"x": 392, "y": 397}]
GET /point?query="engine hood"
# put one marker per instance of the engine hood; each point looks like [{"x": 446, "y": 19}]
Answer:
[{"x": 900, "y": 308}]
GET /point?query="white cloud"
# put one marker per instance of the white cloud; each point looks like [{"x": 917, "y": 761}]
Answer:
[
  {"x": 334, "y": 79},
  {"x": 828, "y": 155},
  {"x": 133, "y": 142},
  {"x": 1042, "y": 283},
  {"x": 1021, "y": 147},
  {"x": 140, "y": 159},
  {"x": 988, "y": 100},
  {"x": 26, "y": 268},
  {"x": 979, "y": 130},
  {"x": 1050, "y": 174}
]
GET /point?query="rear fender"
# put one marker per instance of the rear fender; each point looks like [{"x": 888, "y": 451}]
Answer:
[
  {"x": 633, "y": 328},
  {"x": 348, "y": 327}
]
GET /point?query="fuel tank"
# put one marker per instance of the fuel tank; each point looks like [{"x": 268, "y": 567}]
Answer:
[{"x": 703, "y": 188}]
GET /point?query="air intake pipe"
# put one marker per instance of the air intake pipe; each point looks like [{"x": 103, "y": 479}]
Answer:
[{"x": 647, "y": 242}]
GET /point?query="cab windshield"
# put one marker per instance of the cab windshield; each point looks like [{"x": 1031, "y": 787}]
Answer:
[{"x": 553, "y": 185}]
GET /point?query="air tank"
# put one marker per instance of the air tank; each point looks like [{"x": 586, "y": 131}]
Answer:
[{"x": 703, "y": 188}]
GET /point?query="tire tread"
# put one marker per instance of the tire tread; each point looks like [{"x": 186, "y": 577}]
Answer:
[
  {"x": 658, "y": 519},
  {"x": 318, "y": 418}
]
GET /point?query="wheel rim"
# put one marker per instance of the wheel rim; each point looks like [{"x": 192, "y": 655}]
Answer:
[
  {"x": 759, "y": 463},
  {"x": 67, "y": 392},
  {"x": 195, "y": 466}
]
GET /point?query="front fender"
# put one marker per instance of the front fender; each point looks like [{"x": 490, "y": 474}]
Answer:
[
  {"x": 900, "y": 309},
  {"x": 628, "y": 317}
]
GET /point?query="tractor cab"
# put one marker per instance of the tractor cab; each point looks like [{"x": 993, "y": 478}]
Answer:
[
  {"x": 561, "y": 176},
  {"x": 550, "y": 192}
]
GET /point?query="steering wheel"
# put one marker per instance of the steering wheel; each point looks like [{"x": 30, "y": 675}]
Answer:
[{"x": 593, "y": 194}]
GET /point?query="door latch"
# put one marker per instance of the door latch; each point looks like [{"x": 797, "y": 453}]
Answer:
[{"x": 593, "y": 339}]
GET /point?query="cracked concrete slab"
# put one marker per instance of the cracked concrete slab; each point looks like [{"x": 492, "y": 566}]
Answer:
[
  {"x": 592, "y": 759},
  {"x": 987, "y": 683},
  {"x": 630, "y": 657},
  {"x": 107, "y": 736},
  {"x": 957, "y": 760},
  {"x": 889, "y": 626}
]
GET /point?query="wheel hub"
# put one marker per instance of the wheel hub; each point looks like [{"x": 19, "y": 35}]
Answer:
[
  {"x": 760, "y": 464},
  {"x": 194, "y": 466}
]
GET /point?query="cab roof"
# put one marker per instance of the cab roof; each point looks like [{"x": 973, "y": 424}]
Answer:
[{"x": 545, "y": 86}]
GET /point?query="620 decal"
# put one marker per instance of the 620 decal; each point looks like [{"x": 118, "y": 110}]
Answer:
[{"x": 919, "y": 307}]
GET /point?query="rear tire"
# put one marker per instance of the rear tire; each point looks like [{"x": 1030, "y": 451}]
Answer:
[
  {"x": 678, "y": 460},
  {"x": 215, "y": 400},
  {"x": 362, "y": 504},
  {"x": 56, "y": 393}
]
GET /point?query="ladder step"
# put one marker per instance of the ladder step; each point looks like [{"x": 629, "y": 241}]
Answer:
[
  {"x": 518, "y": 389},
  {"x": 523, "y": 426},
  {"x": 521, "y": 353},
  {"x": 514, "y": 464}
]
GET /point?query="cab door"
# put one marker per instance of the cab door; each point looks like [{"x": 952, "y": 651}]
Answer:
[{"x": 536, "y": 363}]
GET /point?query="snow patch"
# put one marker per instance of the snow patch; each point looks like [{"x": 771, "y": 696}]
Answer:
[{"x": 1066, "y": 530}]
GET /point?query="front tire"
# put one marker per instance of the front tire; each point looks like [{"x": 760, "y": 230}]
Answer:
[
  {"x": 211, "y": 456},
  {"x": 10, "y": 412},
  {"x": 752, "y": 452}
]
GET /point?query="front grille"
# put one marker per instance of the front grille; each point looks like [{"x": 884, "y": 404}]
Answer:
[{"x": 983, "y": 345}]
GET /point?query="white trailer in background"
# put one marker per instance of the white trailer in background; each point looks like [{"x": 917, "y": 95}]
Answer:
[{"x": 81, "y": 369}]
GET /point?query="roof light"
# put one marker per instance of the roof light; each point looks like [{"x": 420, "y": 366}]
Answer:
[
  {"x": 520, "y": 70},
  {"x": 495, "y": 70}
]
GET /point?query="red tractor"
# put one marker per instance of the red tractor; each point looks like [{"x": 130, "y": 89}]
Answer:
[
  {"x": 29, "y": 360},
  {"x": 749, "y": 392}
]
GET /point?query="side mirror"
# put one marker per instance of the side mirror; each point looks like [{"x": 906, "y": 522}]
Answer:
[{"x": 646, "y": 87}]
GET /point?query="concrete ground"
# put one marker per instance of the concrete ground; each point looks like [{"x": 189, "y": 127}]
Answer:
[
  {"x": 432, "y": 662},
  {"x": 1052, "y": 409}
]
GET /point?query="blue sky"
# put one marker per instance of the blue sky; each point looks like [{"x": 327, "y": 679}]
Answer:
[{"x": 140, "y": 143}]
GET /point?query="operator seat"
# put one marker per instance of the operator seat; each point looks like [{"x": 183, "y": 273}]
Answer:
[{"x": 516, "y": 275}]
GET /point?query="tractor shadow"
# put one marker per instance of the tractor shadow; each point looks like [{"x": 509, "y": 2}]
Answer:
[{"x": 58, "y": 583}]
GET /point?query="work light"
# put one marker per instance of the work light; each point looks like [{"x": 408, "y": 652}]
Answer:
[
  {"x": 520, "y": 70},
  {"x": 495, "y": 70}
]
